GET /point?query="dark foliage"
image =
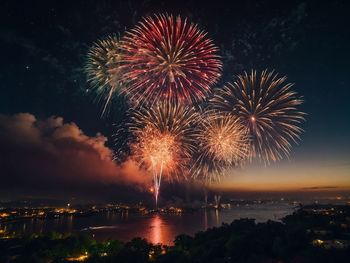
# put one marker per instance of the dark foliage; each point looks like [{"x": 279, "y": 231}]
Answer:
[{"x": 241, "y": 241}]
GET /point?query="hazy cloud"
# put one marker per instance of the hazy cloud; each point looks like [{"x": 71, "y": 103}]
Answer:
[{"x": 51, "y": 154}]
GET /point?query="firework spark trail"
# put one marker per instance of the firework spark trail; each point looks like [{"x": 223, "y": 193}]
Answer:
[
  {"x": 168, "y": 58},
  {"x": 102, "y": 69},
  {"x": 268, "y": 108},
  {"x": 162, "y": 150},
  {"x": 164, "y": 140},
  {"x": 223, "y": 142}
]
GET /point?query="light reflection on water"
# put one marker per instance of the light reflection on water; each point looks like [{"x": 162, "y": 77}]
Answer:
[
  {"x": 157, "y": 228},
  {"x": 156, "y": 234}
]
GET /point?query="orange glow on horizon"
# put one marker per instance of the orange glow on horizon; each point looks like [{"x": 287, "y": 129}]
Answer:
[{"x": 306, "y": 177}]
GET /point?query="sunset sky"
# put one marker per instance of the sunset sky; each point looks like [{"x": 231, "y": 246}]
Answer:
[{"x": 317, "y": 176}]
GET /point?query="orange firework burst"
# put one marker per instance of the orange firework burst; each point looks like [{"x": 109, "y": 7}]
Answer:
[
  {"x": 223, "y": 142},
  {"x": 159, "y": 149},
  {"x": 164, "y": 139},
  {"x": 102, "y": 69},
  {"x": 167, "y": 57},
  {"x": 268, "y": 108}
]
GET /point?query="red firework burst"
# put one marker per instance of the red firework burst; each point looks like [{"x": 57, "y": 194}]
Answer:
[{"x": 169, "y": 58}]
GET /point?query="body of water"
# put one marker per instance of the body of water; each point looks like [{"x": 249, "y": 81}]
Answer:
[{"x": 156, "y": 227}]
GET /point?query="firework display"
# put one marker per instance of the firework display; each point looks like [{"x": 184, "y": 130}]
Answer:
[
  {"x": 166, "y": 67},
  {"x": 223, "y": 142},
  {"x": 102, "y": 69},
  {"x": 168, "y": 58},
  {"x": 268, "y": 108},
  {"x": 165, "y": 139}
]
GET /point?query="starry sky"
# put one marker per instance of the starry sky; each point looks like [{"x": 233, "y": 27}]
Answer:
[{"x": 46, "y": 113}]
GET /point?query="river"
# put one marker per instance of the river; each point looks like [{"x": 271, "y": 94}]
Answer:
[{"x": 156, "y": 227}]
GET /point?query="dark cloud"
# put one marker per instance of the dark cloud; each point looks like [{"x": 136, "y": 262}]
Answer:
[
  {"x": 32, "y": 49},
  {"x": 320, "y": 187},
  {"x": 51, "y": 155}
]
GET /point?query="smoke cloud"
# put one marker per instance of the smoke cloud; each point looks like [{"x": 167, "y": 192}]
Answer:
[{"x": 51, "y": 155}]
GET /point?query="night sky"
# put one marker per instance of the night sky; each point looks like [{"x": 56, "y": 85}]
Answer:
[{"x": 44, "y": 46}]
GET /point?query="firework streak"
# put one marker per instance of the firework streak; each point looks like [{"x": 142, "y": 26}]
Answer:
[
  {"x": 268, "y": 108},
  {"x": 168, "y": 58},
  {"x": 164, "y": 139}
]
